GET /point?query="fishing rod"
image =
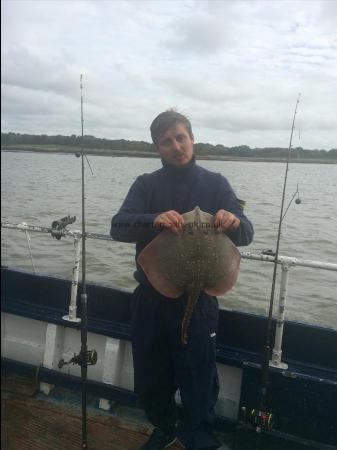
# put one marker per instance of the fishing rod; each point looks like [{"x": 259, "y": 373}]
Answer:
[
  {"x": 260, "y": 418},
  {"x": 267, "y": 349},
  {"x": 85, "y": 357}
]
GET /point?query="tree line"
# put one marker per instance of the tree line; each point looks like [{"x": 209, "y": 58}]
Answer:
[{"x": 109, "y": 146}]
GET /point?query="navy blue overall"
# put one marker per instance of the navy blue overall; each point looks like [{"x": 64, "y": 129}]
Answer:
[{"x": 161, "y": 363}]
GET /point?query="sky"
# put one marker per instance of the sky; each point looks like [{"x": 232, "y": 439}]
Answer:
[{"x": 235, "y": 68}]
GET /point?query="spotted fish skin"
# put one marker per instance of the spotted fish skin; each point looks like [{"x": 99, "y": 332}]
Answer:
[{"x": 197, "y": 259}]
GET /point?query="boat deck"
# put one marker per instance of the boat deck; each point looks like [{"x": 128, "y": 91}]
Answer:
[{"x": 33, "y": 421}]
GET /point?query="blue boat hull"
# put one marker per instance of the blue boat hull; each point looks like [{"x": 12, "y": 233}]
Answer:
[{"x": 302, "y": 398}]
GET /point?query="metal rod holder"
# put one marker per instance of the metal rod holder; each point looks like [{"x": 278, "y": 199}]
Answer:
[
  {"x": 276, "y": 359},
  {"x": 72, "y": 316}
]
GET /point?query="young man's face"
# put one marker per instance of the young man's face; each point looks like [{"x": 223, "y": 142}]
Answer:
[{"x": 175, "y": 146}]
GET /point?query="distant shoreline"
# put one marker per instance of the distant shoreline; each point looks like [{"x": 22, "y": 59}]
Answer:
[{"x": 140, "y": 154}]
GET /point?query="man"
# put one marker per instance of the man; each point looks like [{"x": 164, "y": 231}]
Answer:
[{"x": 162, "y": 364}]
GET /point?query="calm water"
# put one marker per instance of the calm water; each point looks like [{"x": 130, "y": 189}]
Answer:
[{"x": 38, "y": 189}]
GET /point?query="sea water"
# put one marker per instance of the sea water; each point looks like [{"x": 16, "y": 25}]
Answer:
[{"x": 40, "y": 188}]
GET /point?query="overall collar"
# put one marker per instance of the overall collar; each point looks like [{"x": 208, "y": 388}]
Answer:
[{"x": 184, "y": 170}]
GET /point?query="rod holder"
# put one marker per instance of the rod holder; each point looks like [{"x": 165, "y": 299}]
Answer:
[
  {"x": 276, "y": 359},
  {"x": 72, "y": 316}
]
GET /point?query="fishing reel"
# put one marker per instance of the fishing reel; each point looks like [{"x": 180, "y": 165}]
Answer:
[
  {"x": 58, "y": 226},
  {"x": 260, "y": 420},
  {"x": 88, "y": 358}
]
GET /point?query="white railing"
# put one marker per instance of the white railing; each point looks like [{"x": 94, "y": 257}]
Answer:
[{"x": 285, "y": 262}]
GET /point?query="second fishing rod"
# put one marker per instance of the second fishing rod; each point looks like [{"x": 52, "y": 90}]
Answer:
[
  {"x": 261, "y": 418},
  {"x": 267, "y": 349}
]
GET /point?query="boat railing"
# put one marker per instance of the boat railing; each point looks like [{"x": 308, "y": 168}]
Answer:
[{"x": 285, "y": 262}]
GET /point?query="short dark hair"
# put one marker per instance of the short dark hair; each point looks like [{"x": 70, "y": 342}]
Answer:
[{"x": 166, "y": 120}]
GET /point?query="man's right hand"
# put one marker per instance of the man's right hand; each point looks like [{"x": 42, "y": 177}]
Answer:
[{"x": 169, "y": 219}]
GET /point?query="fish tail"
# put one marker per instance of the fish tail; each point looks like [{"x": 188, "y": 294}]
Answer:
[{"x": 191, "y": 301}]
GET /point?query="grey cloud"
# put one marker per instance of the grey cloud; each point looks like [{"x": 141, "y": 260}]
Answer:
[
  {"x": 27, "y": 110},
  {"x": 242, "y": 120},
  {"x": 198, "y": 87},
  {"x": 23, "y": 69},
  {"x": 201, "y": 33}
]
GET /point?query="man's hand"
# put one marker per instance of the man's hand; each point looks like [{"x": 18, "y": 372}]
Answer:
[
  {"x": 225, "y": 220},
  {"x": 169, "y": 219}
]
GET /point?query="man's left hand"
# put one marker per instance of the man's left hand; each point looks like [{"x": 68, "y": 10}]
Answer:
[{"x": 225, "y": 220}]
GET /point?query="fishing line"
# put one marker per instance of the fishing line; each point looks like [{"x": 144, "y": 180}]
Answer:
[{"x": 298, "y": 201}]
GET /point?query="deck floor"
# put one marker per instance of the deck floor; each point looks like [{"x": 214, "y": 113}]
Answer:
[{"x": 32, "y": 421}]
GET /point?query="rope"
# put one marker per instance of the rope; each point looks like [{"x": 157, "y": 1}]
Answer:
[{"x": 29, "y": 248}]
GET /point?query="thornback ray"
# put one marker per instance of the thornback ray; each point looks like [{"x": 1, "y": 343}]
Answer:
[{"x": 198, "y": 258}]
